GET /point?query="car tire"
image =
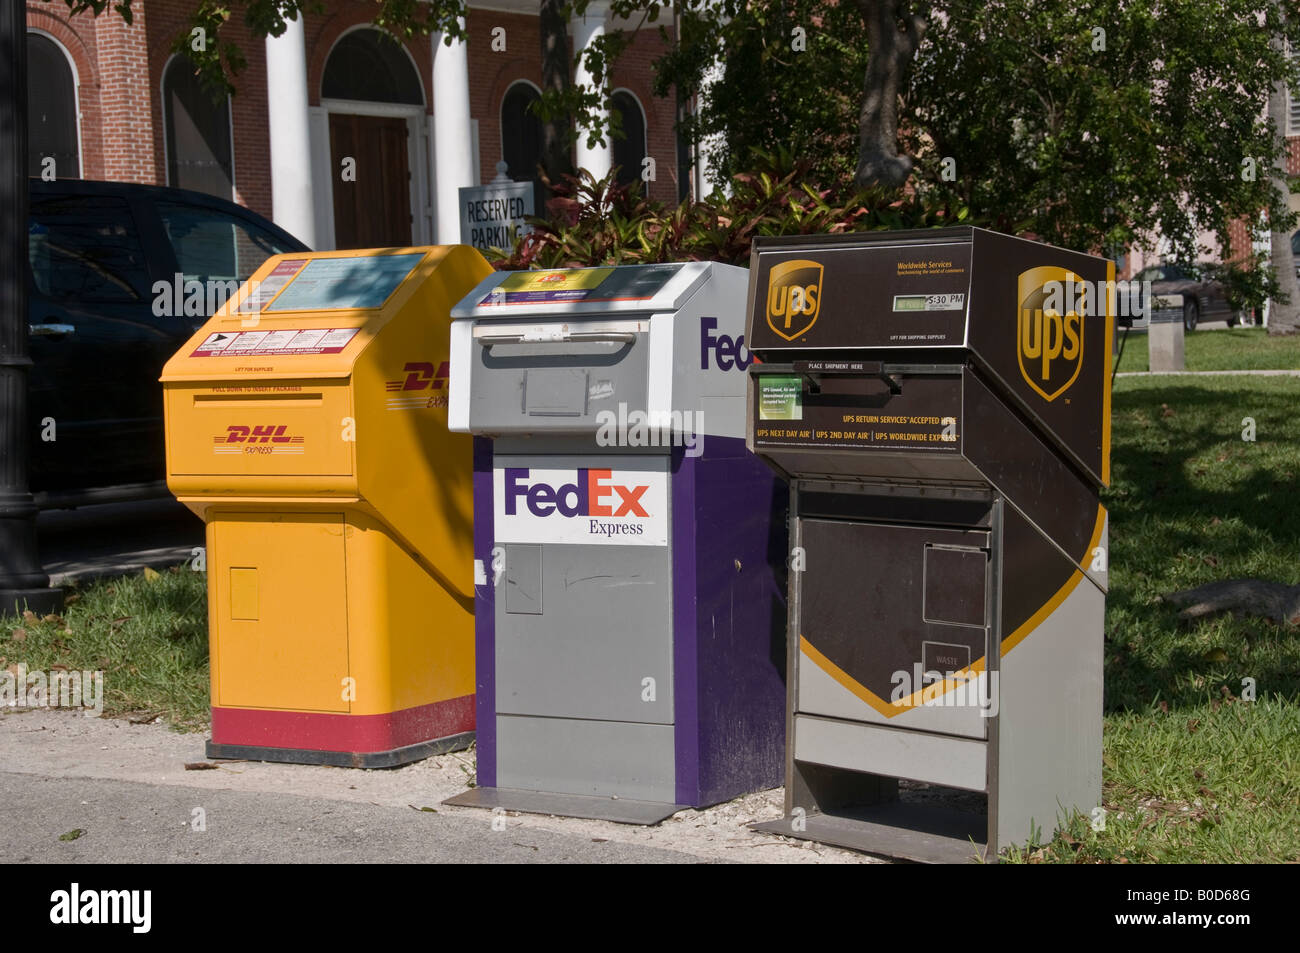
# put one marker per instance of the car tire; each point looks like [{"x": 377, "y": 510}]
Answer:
[
  {"x": 1234, "y": 319},
  {"x": 1191, "y": 316}
]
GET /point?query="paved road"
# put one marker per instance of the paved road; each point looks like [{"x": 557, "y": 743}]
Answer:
[
  {"x": 114, "y": 538},
  {"x": 129, "y": 822}
]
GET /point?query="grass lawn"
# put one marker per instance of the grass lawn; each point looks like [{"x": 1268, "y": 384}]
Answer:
[
  {"x": 1193, "y": 773},
  {"x": 148, "y": 634},
  {"x": 1222, "y": 350}
]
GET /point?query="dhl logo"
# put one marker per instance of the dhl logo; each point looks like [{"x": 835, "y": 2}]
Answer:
[
  {"x": 1049, "y": 329},
  {"x": 424, "y": 385},
  {"x": 253, "y": 440},
  {"x": 794, "y": 291}
]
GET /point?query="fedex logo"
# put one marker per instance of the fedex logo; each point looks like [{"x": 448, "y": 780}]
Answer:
[
  {"x": 583, "y": 497},
  {"x": 582, "y": 505},
  {"x": 726, "y": 352}
]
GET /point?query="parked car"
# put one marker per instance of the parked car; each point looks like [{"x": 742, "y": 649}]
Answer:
[
  {"x": 1204, "y": 295},
  {"x": 101, "y": 328}
]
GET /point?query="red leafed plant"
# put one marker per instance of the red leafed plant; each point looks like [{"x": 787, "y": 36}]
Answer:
[{"x": 590, "y": 222}]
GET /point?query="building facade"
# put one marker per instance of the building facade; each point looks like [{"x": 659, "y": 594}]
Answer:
[{"x": 341, "y": 134}]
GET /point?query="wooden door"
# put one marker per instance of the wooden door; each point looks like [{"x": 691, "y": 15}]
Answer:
[{"x": 372, "y": 199}]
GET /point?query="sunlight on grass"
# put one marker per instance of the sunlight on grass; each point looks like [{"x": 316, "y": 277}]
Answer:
[{"x": 147, "y": 632}]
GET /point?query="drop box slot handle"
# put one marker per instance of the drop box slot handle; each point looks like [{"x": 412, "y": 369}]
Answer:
[
  {"x": 580, "y": 337},
  {"x": 813, "y": 371}
]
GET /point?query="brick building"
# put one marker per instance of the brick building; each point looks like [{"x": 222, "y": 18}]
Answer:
[{"x": 417, "y": 118}]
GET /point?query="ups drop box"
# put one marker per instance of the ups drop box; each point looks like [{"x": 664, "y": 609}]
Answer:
[
  {"x": 307, "y": 425},
  {"x": 630, "y": 606},
  {"x": 940, "y": 401}
]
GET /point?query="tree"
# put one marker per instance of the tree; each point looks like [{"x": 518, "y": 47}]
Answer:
[
  {"x": 778, "y": 88},
  {"x": 557, "y": 83},
  {"x": 1103, "y": 125},
  {"x": 1284, "y": 313},
  {"x": 894, "y": 30}
]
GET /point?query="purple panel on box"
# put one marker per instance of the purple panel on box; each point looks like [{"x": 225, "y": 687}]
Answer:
[
  {"x": 484, "y": 619},
  {"x": 729, "y": 623},
  {"x": 686, "y": 735}
]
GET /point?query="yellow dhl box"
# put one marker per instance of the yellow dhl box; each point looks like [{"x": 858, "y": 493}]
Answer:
[{"x": 307, "y": 425}]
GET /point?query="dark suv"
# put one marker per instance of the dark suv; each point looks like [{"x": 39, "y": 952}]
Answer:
[{"x": 121, "y": 275}]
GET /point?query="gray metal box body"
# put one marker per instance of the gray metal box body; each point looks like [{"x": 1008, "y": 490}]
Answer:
[{"x": 629, "y": 615}]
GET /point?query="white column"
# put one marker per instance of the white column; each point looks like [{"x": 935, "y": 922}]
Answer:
[
  {"x": 322, "y": 177},
  {"x": 290, "y": 133},
  {"x": 452, "y": 146},
  {"x": 585, "y": 29}
]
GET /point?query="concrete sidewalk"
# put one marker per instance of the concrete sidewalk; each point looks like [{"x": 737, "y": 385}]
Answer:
[
  {"x": 126, "y": 787},
  {"x": 130, "y": 822}
]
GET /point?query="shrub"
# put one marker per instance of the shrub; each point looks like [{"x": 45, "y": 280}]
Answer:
[{"x": 591, "y": 222}]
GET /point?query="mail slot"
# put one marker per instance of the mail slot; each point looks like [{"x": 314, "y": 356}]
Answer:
[
  {"x": 307, "y": 425},
  {"x": 630, "y": 604},
  {"x": 940, "y": 403}
]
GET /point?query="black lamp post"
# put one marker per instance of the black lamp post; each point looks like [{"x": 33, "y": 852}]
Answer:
[{"x": 23, "y": 584}]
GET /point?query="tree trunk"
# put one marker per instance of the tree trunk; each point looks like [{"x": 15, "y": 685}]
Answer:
[
  {"x": 557, "y": 76},
  {"x": 1282, "y": 318},
  {"x": 894, "y": 33}
]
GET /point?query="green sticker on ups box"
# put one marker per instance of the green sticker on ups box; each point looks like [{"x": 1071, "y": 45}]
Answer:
[{"x": 780, "y": 398}]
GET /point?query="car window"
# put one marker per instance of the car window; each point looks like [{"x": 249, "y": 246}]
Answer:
[
  {"x": 1295, "y": 244},
  {"x": 85, "y": 247},
  {"x": 212, "y": 245}
]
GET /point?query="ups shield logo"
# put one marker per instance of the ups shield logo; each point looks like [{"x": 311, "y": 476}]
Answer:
[
  {"x": 794, "y": 297},
  {"x": 1049, "y": 328}
]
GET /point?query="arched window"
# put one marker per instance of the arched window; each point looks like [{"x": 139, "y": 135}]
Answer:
[
  {"x": 521, "y": 132},
  {"x": 197, "y": 132},
  {"x": 51, "y": 109},
  {"x": 628, "y": 152},
  {"x": 370, "y": 66}
]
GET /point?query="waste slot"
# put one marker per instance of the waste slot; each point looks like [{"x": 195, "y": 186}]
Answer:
[
  {"x": 307, "y": 425},
  {"x": 940, "y": 401},
  {"x": 630, "y": 620}
]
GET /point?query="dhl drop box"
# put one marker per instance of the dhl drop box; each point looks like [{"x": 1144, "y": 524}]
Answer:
[
  {"x": 307, "y": 425},
  {"x": 940, "y": 401}
]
